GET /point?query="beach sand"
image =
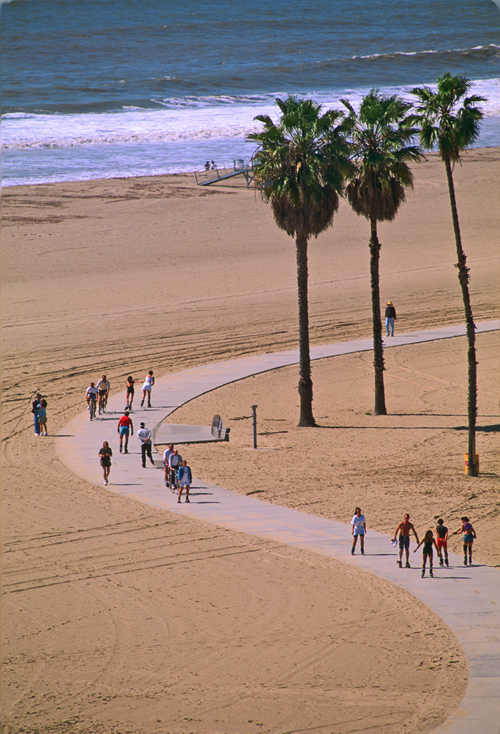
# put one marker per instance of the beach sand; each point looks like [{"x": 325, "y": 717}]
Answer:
[{"x": 122, "y": 618}]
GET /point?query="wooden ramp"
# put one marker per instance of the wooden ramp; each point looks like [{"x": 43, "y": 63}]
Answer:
[{"x": 239, "y": 168}]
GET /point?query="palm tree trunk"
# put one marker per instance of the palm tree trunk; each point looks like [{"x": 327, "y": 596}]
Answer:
[
  {"x": 378, "y": 349},
  {"x": 463, "y": 277},
  {"x": 305, "y": 382}
]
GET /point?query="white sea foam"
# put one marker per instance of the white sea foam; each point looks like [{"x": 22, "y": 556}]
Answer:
[{"x": 178, "y": 137}]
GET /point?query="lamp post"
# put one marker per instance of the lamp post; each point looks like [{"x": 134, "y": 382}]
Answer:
[{"x": 254, "y": 425}]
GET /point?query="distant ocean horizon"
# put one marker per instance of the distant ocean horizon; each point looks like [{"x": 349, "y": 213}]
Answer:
[{"x": 115, "y": 89}]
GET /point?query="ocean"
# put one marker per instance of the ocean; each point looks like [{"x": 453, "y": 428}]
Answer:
[{"x": 116, "y": 88}]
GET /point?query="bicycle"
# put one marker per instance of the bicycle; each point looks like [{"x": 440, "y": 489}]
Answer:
[
  {"x": 173, "y": 480},
  {"x": 103, "y": 401},
  {"x": 92, "y": 406}
]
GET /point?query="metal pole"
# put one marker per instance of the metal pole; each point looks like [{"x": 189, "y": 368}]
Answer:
[{"x": 254, "y": 425}]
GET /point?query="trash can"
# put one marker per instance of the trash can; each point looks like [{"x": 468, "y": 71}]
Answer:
[{"x": 476, "y": 462}]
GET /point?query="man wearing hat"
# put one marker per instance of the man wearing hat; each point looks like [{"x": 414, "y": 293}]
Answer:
[
  {"x": 390, "y": 317},
  {"x": 146, "y": 444}
]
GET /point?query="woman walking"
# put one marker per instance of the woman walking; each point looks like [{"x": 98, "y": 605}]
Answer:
[
  {"x": 105, "y": 454},
  {"x": 42, "y": 417},
  {"x": 358, "y": 523},
  {"x": 185, "y": 479}
]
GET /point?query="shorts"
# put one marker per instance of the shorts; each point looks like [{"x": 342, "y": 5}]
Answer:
[
  {"x": 105, "y": 461},
  {"x": 404, "y": 541},
  {"x": 130, "y": 390},
  {"x": 441, "y": 543},
  {"x": 468, "y": 538},
  {"x": 359, "y": 531},
  {"x": 124, "y": 431},
  {"x": 102, "y": 393}
]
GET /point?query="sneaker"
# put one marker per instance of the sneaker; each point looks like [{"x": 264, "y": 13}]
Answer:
[
  {"x": 407, "y": 565},
  {"x": 187, "y": 499},
  {"x": 179, "y": 499}
]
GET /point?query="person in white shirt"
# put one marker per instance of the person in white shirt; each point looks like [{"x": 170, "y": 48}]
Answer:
[
  {"x": 358, "y": 523},
  {"x": 166, "y": 457},
  {"x": 147, "y": 387},
  {"x": 144, "y": 434},
  {"x": 91, "y": 393},
  {"x": 174, "y": 462}
]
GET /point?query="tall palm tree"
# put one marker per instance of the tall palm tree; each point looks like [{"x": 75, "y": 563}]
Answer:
[
  {"x": 382, "y": 146},
  {"x": 449, "y": 120},
  {"x": 299, "y": 166}
]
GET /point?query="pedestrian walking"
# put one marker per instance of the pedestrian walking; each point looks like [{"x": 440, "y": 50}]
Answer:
[
  {"x": 185, "y": 480},
  {"x": 442, "y": 541},
  {"x": 469, "y": 535},
  {"x": 358, "y": 523},
  {"x": 125, "y": 430},
  {"x": 35, "y": 407},
  {"x": 428, "y": 543},
  {"x": 42, "y": 417},
  {"x": 390, "y": 318},
  {"x": 105, "y": 454},
  {"x": 147, "y": 388},
  {"x": 404, "y": 529},
  {"x": 144, "y": 434},
  {"x": 130, "y": 392}
]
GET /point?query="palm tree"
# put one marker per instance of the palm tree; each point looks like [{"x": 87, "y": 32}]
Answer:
[
  {"x": 299, "y": 166},
  {"x": 449, "y": 121},
  {"x": 381, "y": 140}
]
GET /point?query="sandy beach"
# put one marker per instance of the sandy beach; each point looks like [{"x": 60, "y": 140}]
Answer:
[{"x": 122, "y": 618}]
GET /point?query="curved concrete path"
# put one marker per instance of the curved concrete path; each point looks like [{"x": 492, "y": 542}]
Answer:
[{"x": 467, "y": 598}]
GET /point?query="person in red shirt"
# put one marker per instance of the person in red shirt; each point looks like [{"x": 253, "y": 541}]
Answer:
[{"x": 125, "y": 429}]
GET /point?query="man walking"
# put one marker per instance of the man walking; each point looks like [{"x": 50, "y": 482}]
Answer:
[
  {"x": 404, "y": 529},
  {"x": 35, "y": 407},
  {"x": 144, "y": 434}
]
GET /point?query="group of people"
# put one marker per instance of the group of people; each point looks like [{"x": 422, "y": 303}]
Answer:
[
  {"x": 39, "y": 410},
  {"x": 100, "y": 392},
  {"x": 428, "y": 543}
]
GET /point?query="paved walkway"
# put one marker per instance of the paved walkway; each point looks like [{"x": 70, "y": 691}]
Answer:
[{"x": 468, "y": 599}]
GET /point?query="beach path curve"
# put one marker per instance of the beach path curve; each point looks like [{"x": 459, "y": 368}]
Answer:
[{"x": 466, "y": 598}]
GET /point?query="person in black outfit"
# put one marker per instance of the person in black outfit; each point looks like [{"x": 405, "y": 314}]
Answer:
[{"x": 390, "y": 318}]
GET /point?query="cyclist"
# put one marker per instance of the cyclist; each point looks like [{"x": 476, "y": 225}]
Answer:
[
  {"x": 103, "y": 387},
  {"x": 174, "y": 463},
  {"x": 91, "y": 398},
  {"x": 166, "y": 456}
]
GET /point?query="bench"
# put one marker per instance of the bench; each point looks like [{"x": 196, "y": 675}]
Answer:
[{"x": 217, "y": 430}]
